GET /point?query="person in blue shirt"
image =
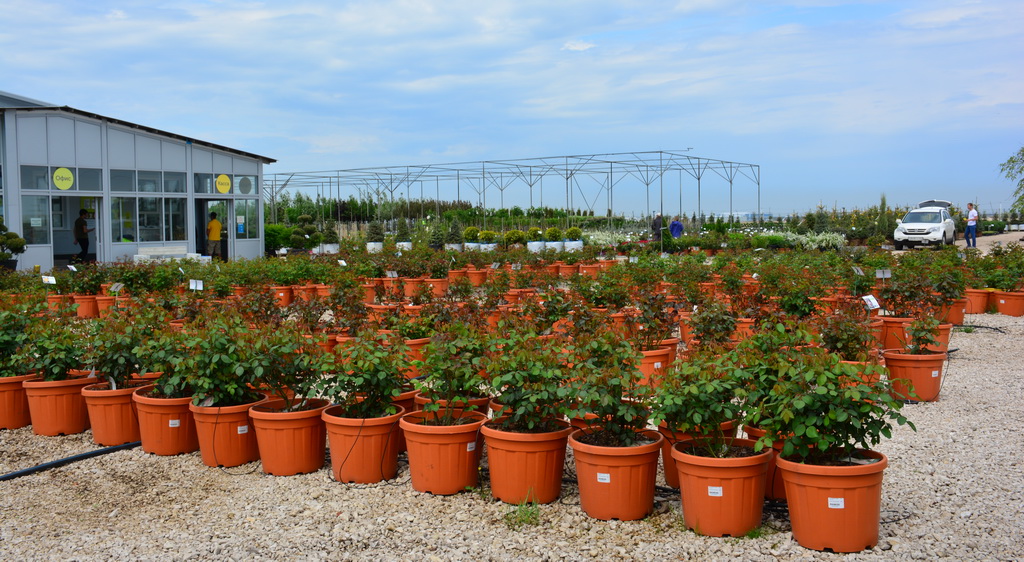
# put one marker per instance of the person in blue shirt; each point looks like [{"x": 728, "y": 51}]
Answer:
[{"x": 675, "y": 228}]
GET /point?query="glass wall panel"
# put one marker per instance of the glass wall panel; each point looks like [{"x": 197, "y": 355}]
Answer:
[
  {"x": 35, "y": 177},
  {"x": 35, "y": 219},
  {"x": 122, "y": 219},
  {"x": 247, "y": 219},
  {"x": 174, "y": 182},
  {"x": 246, "y": 185},
  {"x": 149, "y": 182},
  {"x": 122, "y": 180},
  {"x": 90, "y": 179},
  {"x": 150, "y": 229},
  {"x": 204, "y": 183},
  {"x": 174, "y": 219}
]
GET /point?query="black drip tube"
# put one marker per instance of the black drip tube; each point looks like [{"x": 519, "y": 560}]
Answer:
[{"x": 67, "y": 460}]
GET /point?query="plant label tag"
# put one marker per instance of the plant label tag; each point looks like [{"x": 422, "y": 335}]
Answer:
[
  {"x": 871, "y": 302},
  {"x": 858, "y": 271},
  {"x": 935, "y": 374},
  {"x": 724, "y": 245},
  {"x": 495, "y": 265},
  {"x": 715, "y": 491},
  {"x": 694, "y": 249},
  {"x": 453, "y": 260},
  {"x": 173, "y": 423},
  {"x": 657, "y": 365},
  {"x": 243, "y": 429},
  {"x": 195, "y": 284},
  {"x": 116, "y": 288},
  {"x": 181, "y": 270},
  {"x": 604, "y": 477},
  {"x": 517, "y": 266},
  {"x": 471, "y": 446},
  {"x": 634, "y": 259},
  {"x": 756, "y": 276},
  {"x": 307, "y": 237},
  {"x": 72, "y": 268},
  {"x": 342, "y": 263},
  {"x": 837, "y": 503},
  {"x": 664, "y": 255},
  {"x": 49, "y": 280},
  {"x": 218, "y": 267},
  {"x": 962, "y": 255},
  {"x": 883, "y": 273},
  {"x": 391, "y": 274},
  {"x": 1001, "y": 301}
]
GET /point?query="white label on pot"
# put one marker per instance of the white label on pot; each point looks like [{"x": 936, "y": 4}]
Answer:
[
  {"x": 49, "y": 280},
  {"x": 604, "y": 477},
  {"x": 836, "y": 503},
  {"x": 634, "y": 259},
  {"x": 657, "y": 365},
  {"x": 1001, "y": 301},
  {"x": 174, "y": 423},
  {"x": 715, "y": 491},
  {"x": 243, "y": 429},
  {"x": 342, "y": 263},
  {"x": 72, "y": 268},
  {"x": 935, "y": 373},
  {"x": 871, "y": 302},
  {"x": 858, "y": 271},
  {"x": 471, "y": 446}
]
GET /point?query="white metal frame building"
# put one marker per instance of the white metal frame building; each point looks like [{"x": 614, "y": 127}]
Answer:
[{"x": 143, "y": 189}]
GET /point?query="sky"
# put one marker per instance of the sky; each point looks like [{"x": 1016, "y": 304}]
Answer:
[{"x": 837, "y": 102}]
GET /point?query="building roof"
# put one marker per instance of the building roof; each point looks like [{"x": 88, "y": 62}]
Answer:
[{"x": 21, "y": 103}]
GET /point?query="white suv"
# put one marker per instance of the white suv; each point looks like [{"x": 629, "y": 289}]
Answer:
[{"x": 929, "y": 223}]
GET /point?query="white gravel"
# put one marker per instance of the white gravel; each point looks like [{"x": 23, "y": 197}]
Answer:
[{"x": 954, "y": 489}]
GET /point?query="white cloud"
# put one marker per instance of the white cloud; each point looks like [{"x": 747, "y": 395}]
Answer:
[{"x": 577, "y": 46}]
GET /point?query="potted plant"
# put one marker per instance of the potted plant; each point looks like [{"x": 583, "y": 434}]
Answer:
[
  {"x": 488, "y": 240},
  {"x": 916, "y": 370},
  {"x": 289, "y": 429},
  {"x": 514, "y": 238},
  {"x": 453, "y": 238},
  {"x": 15, "y": 321},
  {"x": 554, "y": 239},
  {"x": 374, "y": 237},
  {"x": 721, "y": 478},
  {"x": 574, "y": 239},
  {"x": 649, "y": 327},
  {"x": 166, "y": 424},
  {"x": 443, "y": 438},
  {"x": 436, "y": 237},
  {"x": 10, "y": 245},
  {"x": 833, "y": 480},
  {"x": 526, "y": 441},
  {"x": 712, "y": 324},
  {"x": 362, "y": 426},
  {"x": 403, "y": 237},
  {"x": 616, "y": 456},
  {"x": 535, "y": 239},
  {"x": 54, "y": 350},
  {"x": 471, "y": 238}
]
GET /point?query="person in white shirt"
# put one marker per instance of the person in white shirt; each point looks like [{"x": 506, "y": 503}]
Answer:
[{"x": 971, "y": 233}]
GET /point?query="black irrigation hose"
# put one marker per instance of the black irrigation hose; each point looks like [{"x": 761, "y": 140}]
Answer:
[
  {"x": 978, "y": 326},
  {"x": 68, "y": 460}
]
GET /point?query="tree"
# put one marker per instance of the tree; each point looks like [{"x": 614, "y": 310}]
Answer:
[{"x": 1013, "y": 169}]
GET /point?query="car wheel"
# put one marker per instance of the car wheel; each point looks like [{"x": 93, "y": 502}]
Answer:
[{"x": 898, "y": 245}]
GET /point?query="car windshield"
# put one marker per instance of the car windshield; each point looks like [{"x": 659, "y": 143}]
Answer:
[{"x": 922, "y": 216}]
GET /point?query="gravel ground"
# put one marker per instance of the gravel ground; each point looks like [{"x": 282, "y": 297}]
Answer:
[{"x": 954, "y": 489}]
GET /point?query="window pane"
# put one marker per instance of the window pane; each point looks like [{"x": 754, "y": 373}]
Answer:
[
  {"x": 149, "y": 219},
  {"x": 122, "y": 219},
  {"x": 246, "y": 185},
  {"x": 122, "y": 180},
  {"x": 34, "y": 177},
  {"x": 90, "y": 179},
  {"x": 149, "y": 182},
  {"x": 204, "y": 183},
  {"x": 246, "y": 223},
  {"x": 35, "y": 219},
  {"x": 222, "y": 183},
  {"x": 69, "y": 176},
  {"x": 174, "y": 182},
  {"x": 174, "y": 219}
]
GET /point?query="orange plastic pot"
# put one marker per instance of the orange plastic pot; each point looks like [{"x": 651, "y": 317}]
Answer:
[
  {"x": 774, "y": 487},
  {"x": 103, "y": 305},
  {"x": 653, "y": 365},
  {"x": 476, "y": 276},
  {"x": 616, "y": 482},
  {"x": 977, "y": 301},
  {"x": 922, "y": 372},
  {"x": 443, "y": 459},
  {"x": 478, "y": 404},
  {"x": 363, "y": 451},
  {"x": 526, "y": 467},
  {"x": 407, "y": 401},
  {"x": 57, "y": 407},
  {"x": 283, "y": 294},
  {"x": 13, "y": 403},
  {"x": 1010, "y": 303},
  {"x": 415, "y": 353},
  {"x": 892, "y": 332},
  {"x": 111, "y": 414},
  {"x": 721, "y": 496},
  {"x": 226, "y": 436},
  {"x": 954, "y": 313},
  {"x": 438, "y": 287},
  {"x": 941, "y": 336},
  {"x": 671, "y": 438},
  {"x": 290, "y": 442},
  {"x": 166, "y": 425},
  {"x": 835, "y": 507},
  {"x": 86, "y": 306}
]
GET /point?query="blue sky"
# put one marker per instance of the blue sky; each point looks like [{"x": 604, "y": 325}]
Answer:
[{"x": 838, "y": 102}]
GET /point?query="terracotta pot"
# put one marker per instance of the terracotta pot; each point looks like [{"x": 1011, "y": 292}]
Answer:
[
  {"x": 438, "y": 286},
  {"x": 673, "y": 347},
  {"x": 443, "y": 459},
  {"x": 412, "y": 285},
  {"x": 415, "y": 354},
  {"x": 283, "y": 294},
  {"x": 476, "y": 276},
  {"x": 744, "y": 328},
  {"x": 774, "y": 487},
  {"x": 944, "y": 331},
  {"x": 526, "y": 467},
  {"x": 363, "y": 451},
  {"x": 226, "y": 436},
  {"x": 405, "y": 400},
  {"x": 977, "y": 301},
  {"x": 892, "y": 332},
  {"x": 671, "y": 438},
  {"x": 1010, "y": 303},
  {"x": 616, "y": 482},
  {"x": 86, "y": 306},
  {"x": 835, "y": 507},
  {"x": 112, "y": 414},
  {"x": 103, "y": 305},
  {"x": 878, "y": 331},
  {"x": 721, "y": 496},
  {"x": 166, "y": 425},
  {"x": 653, "y": 365},
  {"x": 954, "y": 313},
  {"x": 13, "y": 403},
  {"x": 591, "y": 270},
  {"x": 923, "y": 372},
  {"x": 290, "y": 442},
  {"x": 57, "y": 407},
  {"x": 480, "y": 404},
  {"x": 369, "y": 293}
]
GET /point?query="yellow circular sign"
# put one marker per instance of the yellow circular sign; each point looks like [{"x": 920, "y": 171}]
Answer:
[
  {"x": 63, "y": 179},
  {"x": 223, "y": 183}
]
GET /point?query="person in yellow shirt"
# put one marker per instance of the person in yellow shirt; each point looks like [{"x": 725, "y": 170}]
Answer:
[{"x": 213, "y": 237}]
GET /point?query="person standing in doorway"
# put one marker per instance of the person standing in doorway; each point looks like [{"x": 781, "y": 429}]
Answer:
[
  {"x": 213, "y": 237},
  {"x": 971, "y": 233},
  {"x": 675, "y": 228},
  {"x": 656, "y": 226},
  {"x": 82, "y": 231}
]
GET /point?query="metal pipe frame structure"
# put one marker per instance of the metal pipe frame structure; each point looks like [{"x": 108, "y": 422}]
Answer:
[{"x": 604, "y": 172}]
